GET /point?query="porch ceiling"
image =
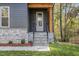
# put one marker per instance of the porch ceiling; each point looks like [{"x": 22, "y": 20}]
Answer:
[{"x": 40, "y": 5}]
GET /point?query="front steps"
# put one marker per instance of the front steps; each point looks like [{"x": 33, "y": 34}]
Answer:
[{"x": 40, "y": 39}]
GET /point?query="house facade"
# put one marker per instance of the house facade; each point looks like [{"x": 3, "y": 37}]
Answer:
[{"x": 29, "y": 21}]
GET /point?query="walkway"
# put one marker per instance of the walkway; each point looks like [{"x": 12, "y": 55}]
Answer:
[{"x": 24, "y": 48}]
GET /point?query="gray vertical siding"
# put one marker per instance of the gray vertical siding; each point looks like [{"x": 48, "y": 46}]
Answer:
[{"x": 18, "y": 15}]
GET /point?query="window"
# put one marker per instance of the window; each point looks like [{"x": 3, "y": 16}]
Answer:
[
  {"x": 4, "y": 16},
  {"x": 40, "y": 23},
  {"x": 40, "y": 14},
  {"x": 40, "y": 19}
]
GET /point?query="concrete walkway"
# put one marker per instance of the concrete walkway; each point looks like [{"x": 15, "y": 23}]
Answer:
[{"x": 24, "y": 48}]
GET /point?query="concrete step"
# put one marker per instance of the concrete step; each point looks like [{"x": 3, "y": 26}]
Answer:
[
  {"x": 40, "y": 39},
  {"x": 39, "y": 34},
  {"x": 40, "y": 44}
]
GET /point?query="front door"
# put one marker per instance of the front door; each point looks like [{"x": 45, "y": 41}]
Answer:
[{"x": 39, "y": 21}]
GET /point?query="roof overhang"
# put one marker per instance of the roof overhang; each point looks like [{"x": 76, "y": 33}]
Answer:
[{"x": 40, "y": 5}]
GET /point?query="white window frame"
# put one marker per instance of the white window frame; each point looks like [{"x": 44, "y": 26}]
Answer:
[{"x": 8, "y": 17}]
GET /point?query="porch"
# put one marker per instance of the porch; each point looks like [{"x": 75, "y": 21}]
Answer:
[
  {"x": 40, "y": 17},
  {"x": 40, "y": 25}
]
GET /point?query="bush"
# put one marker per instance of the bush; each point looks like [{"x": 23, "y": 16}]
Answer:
[
  {"x": 10, "y": 42},
  {"x": 29, "y": 41},
  {"x": 22, "y": 41}
]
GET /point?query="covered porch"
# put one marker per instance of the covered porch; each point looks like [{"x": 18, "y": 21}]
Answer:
[
  {"x": 40, "y": 17},
  {"x": 40, "y": 23}
]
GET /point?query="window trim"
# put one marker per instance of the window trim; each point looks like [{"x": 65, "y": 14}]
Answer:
[{"x": 8, "y": 17}]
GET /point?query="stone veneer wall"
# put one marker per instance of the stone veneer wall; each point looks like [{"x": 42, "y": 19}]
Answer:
[
  {"x": 15, "y": 35},
  {"x": 50, "y": 36}
]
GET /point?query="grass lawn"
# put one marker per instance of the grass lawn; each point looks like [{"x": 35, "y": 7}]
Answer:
[{"x": 57, "y": 49}]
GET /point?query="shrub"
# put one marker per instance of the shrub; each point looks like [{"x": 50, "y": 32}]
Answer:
[
  {"x": 10, "y": 42},
  {"x": 22, "y": 41},
  {"x": 29, "y": 41}
]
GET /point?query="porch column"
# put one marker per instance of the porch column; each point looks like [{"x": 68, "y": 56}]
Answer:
[{"x": 50, "y": 19}]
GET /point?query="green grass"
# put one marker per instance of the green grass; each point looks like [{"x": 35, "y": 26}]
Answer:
[{"x": 57, "y": 49}]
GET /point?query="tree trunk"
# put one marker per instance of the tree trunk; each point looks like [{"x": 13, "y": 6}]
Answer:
[{"x": 61, "y": 22}]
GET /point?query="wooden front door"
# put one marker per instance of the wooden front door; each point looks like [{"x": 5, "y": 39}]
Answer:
[{"x": 39, "y": 21}]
